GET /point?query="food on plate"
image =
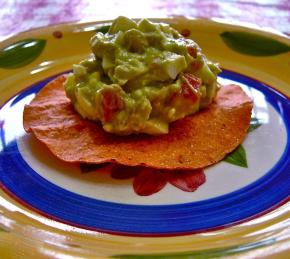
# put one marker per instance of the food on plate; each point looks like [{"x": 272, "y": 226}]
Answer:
[
  {"x": 140, "y": 77},
  {"x": 195, "y": 141}
]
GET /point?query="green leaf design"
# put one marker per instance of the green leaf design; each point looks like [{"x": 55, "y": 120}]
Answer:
[
  {"x": 103, "y": 29},
  {"x": 254, "y": 124},
  {"x": 21, "y": 53},
  {"x": 253, "y": 44},
  {"x": 237, "y": 157}
]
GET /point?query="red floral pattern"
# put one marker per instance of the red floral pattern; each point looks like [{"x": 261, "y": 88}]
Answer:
[
  {"x": 124, "y": 172},
  {"x": 148, "y": 181},
  {"x": 188, "y": 180}
]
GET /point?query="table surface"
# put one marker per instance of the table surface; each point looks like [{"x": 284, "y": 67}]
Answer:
[{"x": 22, "y": 15}]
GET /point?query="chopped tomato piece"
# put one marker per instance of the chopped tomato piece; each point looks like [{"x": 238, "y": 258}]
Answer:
[
  {"x": 192, "y": 51},
  {"x": 196, "y": 65},
  {"x": 111, "y": 104},
  {"x": 190, "y": 86},
  {"x": 192, "y": 80}
]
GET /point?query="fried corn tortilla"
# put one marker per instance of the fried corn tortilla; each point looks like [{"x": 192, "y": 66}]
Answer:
[{"x": 194, "y": 142}]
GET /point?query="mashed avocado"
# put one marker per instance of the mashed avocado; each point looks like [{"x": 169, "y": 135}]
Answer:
[{"x": 140, "y": 77}]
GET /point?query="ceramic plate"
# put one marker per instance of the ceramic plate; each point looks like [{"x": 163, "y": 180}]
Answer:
[{"x": 54, "y": 209}]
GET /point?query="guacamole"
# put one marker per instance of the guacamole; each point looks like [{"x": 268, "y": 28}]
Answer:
[{"x": 140, "y": 77}]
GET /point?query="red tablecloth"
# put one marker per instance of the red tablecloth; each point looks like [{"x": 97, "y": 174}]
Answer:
[{"x": 21, "y": 15}]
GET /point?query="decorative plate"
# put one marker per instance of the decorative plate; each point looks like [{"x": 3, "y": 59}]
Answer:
[{"x": 237, "y": 207}]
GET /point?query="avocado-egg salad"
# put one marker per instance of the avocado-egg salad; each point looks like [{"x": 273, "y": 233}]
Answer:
[
  {"x": 144, "y": 97},
  {"x": 140, "y": 77}
]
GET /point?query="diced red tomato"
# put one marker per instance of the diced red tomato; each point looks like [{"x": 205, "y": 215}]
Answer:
[
  {"x": 196, "y": 65},
  {"x": 192, "y": 51},
  {"x": 192, "y": 80},
  {"x": 111, "y": 104},
  {"x": 190, "y": 86}
]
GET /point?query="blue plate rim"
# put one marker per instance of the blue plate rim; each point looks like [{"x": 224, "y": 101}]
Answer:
[{"x": 212, "y": 200}]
